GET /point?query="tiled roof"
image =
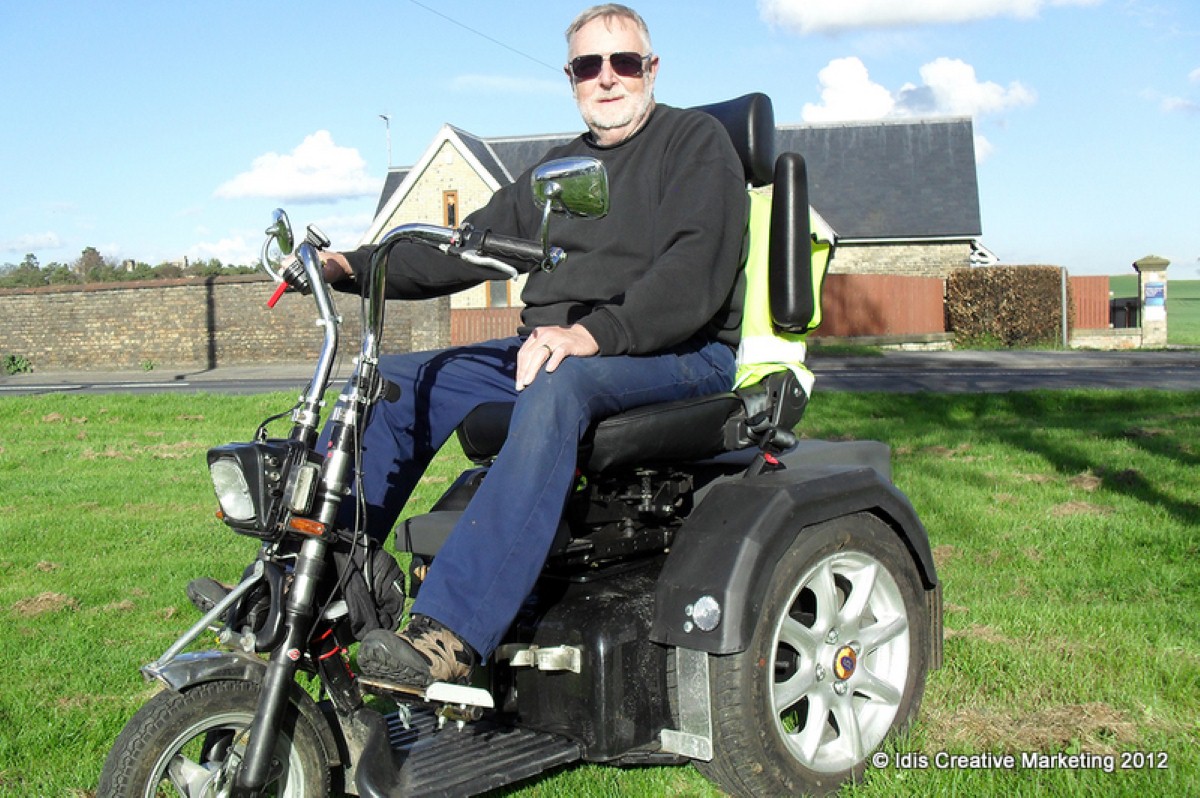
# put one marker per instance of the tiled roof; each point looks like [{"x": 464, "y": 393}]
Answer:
[
  {"x": 869, "y": 180},
  {"x": 888, "y": 180}
]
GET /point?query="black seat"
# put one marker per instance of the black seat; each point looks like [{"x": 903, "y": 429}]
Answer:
[{"x": 694, "y": 429}]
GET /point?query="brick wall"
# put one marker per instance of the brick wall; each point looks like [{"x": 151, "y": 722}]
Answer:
[{"x": 192, "y": 323}]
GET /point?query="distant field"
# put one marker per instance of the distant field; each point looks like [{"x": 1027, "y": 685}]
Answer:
[{"x": 1183, "y": 306}]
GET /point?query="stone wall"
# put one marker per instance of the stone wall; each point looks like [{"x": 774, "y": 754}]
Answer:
[{"x": 193, "y": 324}]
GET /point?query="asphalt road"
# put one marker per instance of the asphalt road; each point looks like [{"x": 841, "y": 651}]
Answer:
[{"x": 892, "y": 372}]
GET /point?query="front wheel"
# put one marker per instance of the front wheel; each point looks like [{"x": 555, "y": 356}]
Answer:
[
  {"x": 837, "y": 661},
  {"x": 190, "y": 744}
]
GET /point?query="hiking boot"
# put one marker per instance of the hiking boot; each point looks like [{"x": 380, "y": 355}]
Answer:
[{"x": 422, "y": 653}]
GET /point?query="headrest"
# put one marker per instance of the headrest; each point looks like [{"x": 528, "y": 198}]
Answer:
[{"x": 750, "y": 120}]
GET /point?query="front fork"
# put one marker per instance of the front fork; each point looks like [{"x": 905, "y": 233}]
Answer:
[{"x": 280, "y": 674}]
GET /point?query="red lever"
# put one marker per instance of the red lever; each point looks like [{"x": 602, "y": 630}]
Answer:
[{"x": 278, "y": 293}]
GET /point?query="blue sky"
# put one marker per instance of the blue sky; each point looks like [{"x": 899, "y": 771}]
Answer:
[{"x": 155, "y": 130}]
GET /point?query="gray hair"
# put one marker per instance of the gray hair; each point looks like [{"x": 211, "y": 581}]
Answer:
[{"x": 608, "y": 12}]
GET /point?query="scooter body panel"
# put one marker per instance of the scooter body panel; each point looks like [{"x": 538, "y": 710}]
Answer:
[{"x": 728, "y": 546}]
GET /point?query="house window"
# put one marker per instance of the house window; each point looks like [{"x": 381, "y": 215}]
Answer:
[
  {"x": 498, "y": 293},
  {"x": 450, "y": 208}
]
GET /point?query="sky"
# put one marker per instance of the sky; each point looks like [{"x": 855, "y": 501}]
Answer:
[{"x": 155, "y": 131}]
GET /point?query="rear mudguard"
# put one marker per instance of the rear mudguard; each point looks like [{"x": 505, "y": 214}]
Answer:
[
  {"x": 728, "y": 547},
  {"x": 188, "y": 670}
]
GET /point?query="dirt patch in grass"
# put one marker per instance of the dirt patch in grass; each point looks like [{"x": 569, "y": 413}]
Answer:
[
  {"x": 109, "y": 453},
  {"x": 1078, "y": 508},
  {"x": 944, "y": 554},
  {"x": 44, "y": 603},
  {"x": 1128, "y": 478},
  {"x": 1095, "y": 728},
  {"x": 174, "y": 451},
  {"x": 976, "y": 631},
  {"x": 958, "y": 453},
  {"x": 1086, "y": 481}
]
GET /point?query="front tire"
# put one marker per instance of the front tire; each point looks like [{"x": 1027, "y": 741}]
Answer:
[
  {"x": 836, "y": 663},
  {"x": 187, "y": 744}
]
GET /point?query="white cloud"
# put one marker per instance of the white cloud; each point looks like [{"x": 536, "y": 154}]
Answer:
[
  {"x": 948, "y": 87},
  {"x": 1173, "y": 105},
  {"x": 234, "y": 250},
  {"x": 31, "y": 242},
  {"x": 847, "y": 92},
  {"x": 317, "y": 170},
  {"x": 832, "y": 16},
  {"x": 1194, "y": 76}
]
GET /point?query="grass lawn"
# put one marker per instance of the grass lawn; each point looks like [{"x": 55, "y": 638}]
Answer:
[
  {"x": 1183, "y": 306},
  {"x": 1065, "y": 525}
]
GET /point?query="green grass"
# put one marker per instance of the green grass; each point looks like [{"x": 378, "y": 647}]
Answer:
[
  {"x": 1183, "y": 306},
  {"x": 1066, "y": 528}
]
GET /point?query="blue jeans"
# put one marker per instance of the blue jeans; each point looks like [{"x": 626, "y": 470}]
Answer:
[{"x": 494, "y": 555}]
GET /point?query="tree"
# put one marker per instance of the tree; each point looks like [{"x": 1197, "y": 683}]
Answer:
[
  {"x": 95, "y": 268},
  {"x": 26, "y": 275}
]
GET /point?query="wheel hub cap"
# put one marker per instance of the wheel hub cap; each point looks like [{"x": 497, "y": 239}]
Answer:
[{"x": 844, "y": 663}]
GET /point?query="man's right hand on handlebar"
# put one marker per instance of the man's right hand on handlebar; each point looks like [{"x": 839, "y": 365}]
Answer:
[{"x": 335, "y": 266}]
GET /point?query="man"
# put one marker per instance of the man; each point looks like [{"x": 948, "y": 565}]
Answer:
[{"x": 646, "y": 309}]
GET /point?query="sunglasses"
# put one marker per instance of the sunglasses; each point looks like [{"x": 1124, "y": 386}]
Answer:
[{"x": 627, "y": 65}]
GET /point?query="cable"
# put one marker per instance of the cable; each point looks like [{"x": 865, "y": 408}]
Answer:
[{"x": 484, "y": 35}]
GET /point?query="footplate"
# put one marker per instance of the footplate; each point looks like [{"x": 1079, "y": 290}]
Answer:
[{"x": 452, "y": 760}]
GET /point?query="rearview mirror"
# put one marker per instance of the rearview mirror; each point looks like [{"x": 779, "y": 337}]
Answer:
[
  {"x": 571, "y": 186},
  {"x": 281, "y": 231}
]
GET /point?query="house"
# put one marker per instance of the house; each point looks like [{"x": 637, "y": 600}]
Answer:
[{"x": 902, "y": 196}]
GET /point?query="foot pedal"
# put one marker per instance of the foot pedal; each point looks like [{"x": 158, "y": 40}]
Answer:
[
  {"x": 455, "y": 702},
  {"x": 438, "y": 692}
]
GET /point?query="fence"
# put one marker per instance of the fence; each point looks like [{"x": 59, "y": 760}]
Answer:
[{"x": 223, "y": 321}]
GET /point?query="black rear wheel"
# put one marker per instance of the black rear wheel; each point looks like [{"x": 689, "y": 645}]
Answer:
[
  {"x": 837, "y": 662},
  {"x": 190, "y": 744}
]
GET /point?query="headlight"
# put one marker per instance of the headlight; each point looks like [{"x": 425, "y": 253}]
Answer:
[
  {"x": 249, "y": 479},
  {"x": 233, "y": 492}
]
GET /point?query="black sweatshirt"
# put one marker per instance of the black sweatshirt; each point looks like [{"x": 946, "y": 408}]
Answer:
[{"x": 661, "y": 267}]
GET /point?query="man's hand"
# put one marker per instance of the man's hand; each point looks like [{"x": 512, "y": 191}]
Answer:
[
  {"x": 335, "y": 266},
  {"x": 547, "y": 347}
]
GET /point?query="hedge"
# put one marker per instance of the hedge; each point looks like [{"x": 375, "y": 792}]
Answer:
[{"x": 1007, "y": 305}]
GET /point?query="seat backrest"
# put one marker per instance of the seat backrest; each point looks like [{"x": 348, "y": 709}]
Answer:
[
  {"x": 794, "y": 285},
  {"x": 784, "y": 274},
  {"x": 750, "y": 122}
]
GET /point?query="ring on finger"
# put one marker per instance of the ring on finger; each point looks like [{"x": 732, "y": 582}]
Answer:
[{"x": 548, "y": 348}]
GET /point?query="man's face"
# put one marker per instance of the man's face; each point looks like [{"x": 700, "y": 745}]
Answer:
[{"x": 613, "y": 107}]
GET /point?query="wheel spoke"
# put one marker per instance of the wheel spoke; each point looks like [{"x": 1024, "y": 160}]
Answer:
[
  {"x": 875, "y": 635},
  {"x": 808, "y": 741},
  {"x": 825, "y": 591},
  {"x": 187, "y": 776},
  {"x": 847, "y": 720},
  {"x": 862, "y": 585},
  {"x": 800, "y": 637},
  {"x": 876, "y": 688},
  {"x": 787, "y": 693}
]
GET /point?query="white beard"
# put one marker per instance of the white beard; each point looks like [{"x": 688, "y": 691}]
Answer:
[{"x": 601, "y": 116}]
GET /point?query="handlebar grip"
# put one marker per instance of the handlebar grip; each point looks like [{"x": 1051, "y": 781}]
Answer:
[{"x": 499, "y": 246}]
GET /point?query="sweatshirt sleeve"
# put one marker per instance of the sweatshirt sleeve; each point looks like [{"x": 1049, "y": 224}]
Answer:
[
  {"x": 418, "y": 271},
  {"x": 698, "y": 238}
]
